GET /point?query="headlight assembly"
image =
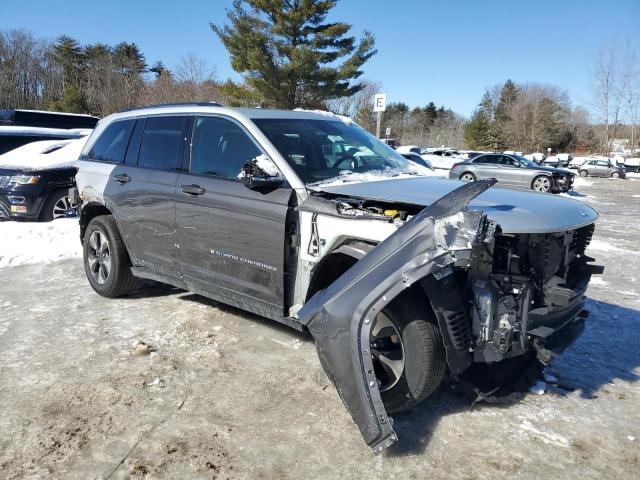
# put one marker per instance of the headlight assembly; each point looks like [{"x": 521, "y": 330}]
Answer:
[{"x": 24, "y": 179}]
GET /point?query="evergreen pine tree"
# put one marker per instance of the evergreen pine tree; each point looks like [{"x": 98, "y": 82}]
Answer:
[{"x": 291, "y": 54}]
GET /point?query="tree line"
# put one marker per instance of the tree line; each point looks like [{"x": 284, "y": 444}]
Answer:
[{"x": 291, "y": 56}]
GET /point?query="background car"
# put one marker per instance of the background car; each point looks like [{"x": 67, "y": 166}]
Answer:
[
  {"x": 35, "y": 180},
  {"x": 601, "y": 168},
  {"x": 19, "y": 127},
  {"x": 513, "y": 170},
  {"x": 414, "y": 157},
  {"x": 402, "y": 149},
  {"x": 443, "y": 158}
]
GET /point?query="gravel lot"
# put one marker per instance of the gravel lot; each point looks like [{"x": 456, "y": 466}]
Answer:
[{"x": 166, "y": 384}]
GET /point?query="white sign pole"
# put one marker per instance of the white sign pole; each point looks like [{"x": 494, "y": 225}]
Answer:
[{"x": 379, "y": 106}]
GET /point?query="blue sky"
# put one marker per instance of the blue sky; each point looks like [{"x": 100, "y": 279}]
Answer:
[{"x": 445, "y": 51}]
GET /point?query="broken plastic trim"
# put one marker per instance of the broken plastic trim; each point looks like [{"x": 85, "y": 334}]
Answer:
[{"x": 340, "y": 317}]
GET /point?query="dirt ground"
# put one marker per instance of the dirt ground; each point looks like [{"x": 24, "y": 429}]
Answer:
[{"x": 166, "y": 384}]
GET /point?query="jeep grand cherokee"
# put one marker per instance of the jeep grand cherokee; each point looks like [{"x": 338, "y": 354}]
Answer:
[{"x": 307, "y": 219}]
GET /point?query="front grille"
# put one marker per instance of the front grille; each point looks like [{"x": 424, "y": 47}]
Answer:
[{"x": 4, "y": 181}]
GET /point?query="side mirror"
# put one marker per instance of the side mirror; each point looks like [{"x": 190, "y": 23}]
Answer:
[{"x": 256, "y": 178}]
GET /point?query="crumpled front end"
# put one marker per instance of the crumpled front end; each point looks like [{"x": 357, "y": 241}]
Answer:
[{"x": 425, "y": 249}]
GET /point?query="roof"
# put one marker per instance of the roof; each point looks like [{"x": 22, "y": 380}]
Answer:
[
  {"x": 249, "y": 113},
  {"x": 6, "y": 130}
]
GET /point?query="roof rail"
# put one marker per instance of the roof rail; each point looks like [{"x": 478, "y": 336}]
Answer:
[{"x": 177, "y": 104}]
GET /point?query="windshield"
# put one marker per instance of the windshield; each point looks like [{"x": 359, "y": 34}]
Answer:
[{"x": 323, "y": 150}]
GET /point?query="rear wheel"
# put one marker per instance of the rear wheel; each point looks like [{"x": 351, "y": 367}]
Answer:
[
  {"x": 468, "y": 177},
  {"x": 583, "y": 173},
  {"x": 408, "y": 353},
  {"x": 541, "y": 184},
  {"x": 58, "y": 205},
  {"x": 106, "y": 261},
  {"x": 615, "y": 175}
]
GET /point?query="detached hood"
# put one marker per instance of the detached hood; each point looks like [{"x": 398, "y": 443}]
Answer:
[{"x": 516, "y": 211}]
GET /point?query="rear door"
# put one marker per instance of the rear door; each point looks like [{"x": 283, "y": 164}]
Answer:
[
  {"x": 231, "y": 238},
  {"x": 143, "y": 191}
]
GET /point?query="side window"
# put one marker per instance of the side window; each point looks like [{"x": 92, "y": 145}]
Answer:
[
  {"x": 220, "y": 148},
  {"x": 112, "y": 143},
  {"x": 161, "y": 143},
  {"x": 131, "y": 157},
  {"x": 504, "y": 160}
]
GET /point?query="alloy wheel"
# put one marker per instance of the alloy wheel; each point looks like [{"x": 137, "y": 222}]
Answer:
[
  {"x": 64, "y": 208},
  {"x": 542, "y": 184},
  {"x": 387, "y": 352},
  {"x": 467, "y": 177},
  {"x": 99, "y": 257}
]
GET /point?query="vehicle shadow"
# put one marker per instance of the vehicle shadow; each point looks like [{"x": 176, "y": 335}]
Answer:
[
  {"x": 604, "y": 353},
  {"x": 573, "y": 193},
  {"x": 250, "y": 317}
]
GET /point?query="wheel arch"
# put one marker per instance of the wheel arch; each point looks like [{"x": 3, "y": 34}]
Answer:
[{"x": 89, "y": 212}]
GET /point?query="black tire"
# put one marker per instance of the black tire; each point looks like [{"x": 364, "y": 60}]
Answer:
[
  {"x": 425, "y": 360},
  {"x": 47, "y": 212},
  {"x": 615, "y": 175},
  {"x": 119, "y": 280},
  {"x": 583, "y": 173},
  {"x": 467, "y": 177}
]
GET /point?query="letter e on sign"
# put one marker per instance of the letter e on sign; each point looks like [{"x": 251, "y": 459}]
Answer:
[{"x": 380, "y": 102}]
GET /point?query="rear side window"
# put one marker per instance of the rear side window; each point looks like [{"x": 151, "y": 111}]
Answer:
[
  {"x": 483, "y": 159},
  {"x": 112, "y": 143},
  {"x": 220, "y": 148},
  {"x": 161, "y": 143}
]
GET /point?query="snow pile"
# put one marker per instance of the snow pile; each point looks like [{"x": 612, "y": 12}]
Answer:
[
  {"x": 24, "y": 243},
  {"x": 44, "y": 154}
]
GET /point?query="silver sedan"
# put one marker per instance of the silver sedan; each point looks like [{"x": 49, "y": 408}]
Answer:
[{"x": 515, "y": 171}]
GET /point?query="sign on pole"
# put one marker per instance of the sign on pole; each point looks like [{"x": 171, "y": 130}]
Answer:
[
  {"x": 380, "y": 102},
  {"x": 379, "y": 106}
]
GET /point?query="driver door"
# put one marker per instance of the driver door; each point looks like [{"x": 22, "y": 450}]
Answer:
[
  {"x": 231, "y": 238},
  {"x": 508, "y": 171}
]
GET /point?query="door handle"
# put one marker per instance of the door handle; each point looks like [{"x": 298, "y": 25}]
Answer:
[
  {"x": 193, "y": 189},
  {"x": 123, "y": 178}
]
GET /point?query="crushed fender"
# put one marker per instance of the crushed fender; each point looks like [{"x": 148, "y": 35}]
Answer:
[{"x": 340, "y": 317}]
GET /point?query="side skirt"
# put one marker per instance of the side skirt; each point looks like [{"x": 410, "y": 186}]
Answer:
[{"x": 221, "y": 295}]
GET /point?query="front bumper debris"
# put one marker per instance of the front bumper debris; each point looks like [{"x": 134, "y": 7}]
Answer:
[{"x": 340, "y": 317}]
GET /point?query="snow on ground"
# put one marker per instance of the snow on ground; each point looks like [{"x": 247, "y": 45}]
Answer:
[
  {"x": 581, "y": 182},
  {"x": 162, "y": 384},
  {"x": 23, "y": 243}
]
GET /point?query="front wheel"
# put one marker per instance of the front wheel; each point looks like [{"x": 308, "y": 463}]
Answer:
[
  {"x": 408, "y": 354},
  {"x": 106, "y": 261},
  {"x": 583, "y": 173},
  {"x": 468, "y": 177},
  {"x": 615, "y": 175},
  {"x": 541, "y": 184}
]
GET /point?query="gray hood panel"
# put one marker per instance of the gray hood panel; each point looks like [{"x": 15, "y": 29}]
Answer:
[{"x": 515, "y": 211}]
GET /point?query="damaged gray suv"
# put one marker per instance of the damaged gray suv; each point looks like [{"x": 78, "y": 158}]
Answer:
[{"x": 308, "y": 220}]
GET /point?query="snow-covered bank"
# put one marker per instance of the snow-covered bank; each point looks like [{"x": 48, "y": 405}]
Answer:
[{"x": 23, "y": 243}]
